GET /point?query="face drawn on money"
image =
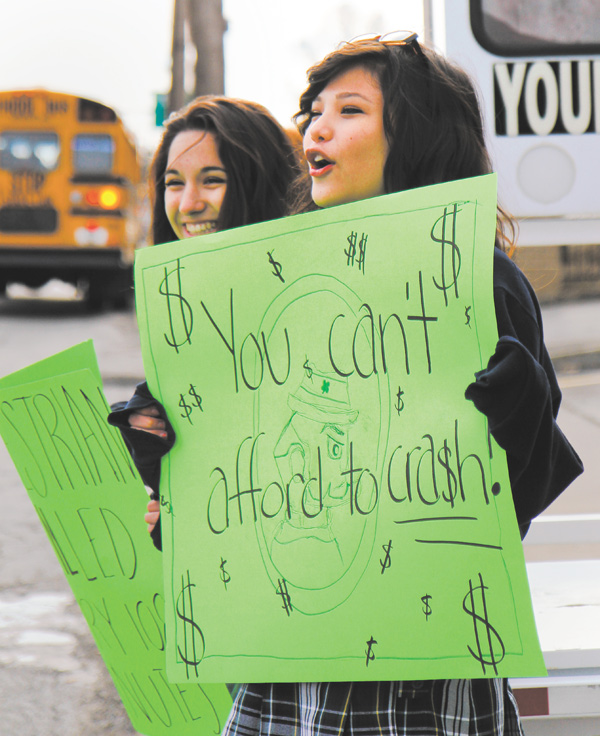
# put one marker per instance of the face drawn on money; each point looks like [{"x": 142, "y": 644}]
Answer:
[{"x": 320, "y": 541}]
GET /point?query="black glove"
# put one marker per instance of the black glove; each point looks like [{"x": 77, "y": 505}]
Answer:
[{"x": 146, "y": 449}]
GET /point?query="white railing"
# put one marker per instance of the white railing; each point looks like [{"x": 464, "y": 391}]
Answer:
[
  {"x": 564, "y": 529},
  {"x": 566, "y": 601}
]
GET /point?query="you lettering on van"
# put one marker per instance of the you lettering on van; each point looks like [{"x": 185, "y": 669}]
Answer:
[{"x": 547, "y": 97}]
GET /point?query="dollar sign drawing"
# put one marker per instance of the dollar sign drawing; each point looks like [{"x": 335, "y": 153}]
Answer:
[
  {"x": 276, "y": 267},
  {"x": 166, "y": 504},
  {"x": 285, "y": 596},
  {"x": 444, "y": 455},
  {"x": 468, "y": 316},
  {"x": 191, "y": 655},
  {"x": 385, "y": 563},
  {"x": 351, "y": 252},
  {"x": 484, "y": 641},
  {"x": 400, "y": 401},
  {"x": 308, "y": 369},
  {"x": 194, "y": 395},
  {"x": 451, "y": 253},
  {"x": 186, "y": 408},
  {"x": 362, "y": 249},
  {"x": 225, "y": 576},
  {"x": 369, "y": 652},
  {"x": 182, "y": 316},
  {"x": 426, "y": 607}
]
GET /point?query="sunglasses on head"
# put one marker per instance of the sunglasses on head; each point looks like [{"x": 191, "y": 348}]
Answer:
[{"x": 395, "y": 38}]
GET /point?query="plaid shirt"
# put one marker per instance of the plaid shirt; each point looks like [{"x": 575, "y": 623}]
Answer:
[{"x": 429, "y": 708}]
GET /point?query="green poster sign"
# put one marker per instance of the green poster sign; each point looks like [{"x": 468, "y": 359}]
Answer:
[
  {"x": 90, "y": 500},
  {"x": 333, "y": 508}
]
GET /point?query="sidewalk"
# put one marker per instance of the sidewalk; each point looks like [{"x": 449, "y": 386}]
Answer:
[{"x": 572, "y": 334}]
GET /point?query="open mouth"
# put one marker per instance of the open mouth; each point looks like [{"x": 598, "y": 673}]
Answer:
[
  {"x": 191, "y": 229},
  {"x": 318, "y": 163}
]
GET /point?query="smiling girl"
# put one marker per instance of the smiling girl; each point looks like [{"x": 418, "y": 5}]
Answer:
[
  {"x": 195, "y": 184},
  {"x": 383, "y": 115},
  {"x": 223, "y": 161}
]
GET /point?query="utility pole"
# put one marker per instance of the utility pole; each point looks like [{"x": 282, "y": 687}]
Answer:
[
  {"x": 206, "y": 26},
  {"x": 177, "y": 91}
]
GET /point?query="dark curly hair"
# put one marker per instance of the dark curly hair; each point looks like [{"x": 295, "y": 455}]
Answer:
[
  {"x": 431, "y": 115},
  {"x": 258, "y": 155}
]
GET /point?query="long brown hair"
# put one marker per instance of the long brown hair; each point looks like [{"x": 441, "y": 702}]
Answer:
[
  {"x": 431, "y": 115},
  {"x": 259, "y": 158}
]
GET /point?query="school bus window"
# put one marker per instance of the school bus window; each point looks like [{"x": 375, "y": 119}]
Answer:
[
  {"x": 93, "y": 154},
  {"x": 537, "y": 27},
  {"x": 25, "y": 151},
  {"x": 89, "y": 111}
]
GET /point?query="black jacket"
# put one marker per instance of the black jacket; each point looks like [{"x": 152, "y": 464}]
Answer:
[{"x": 519, "y": 394}]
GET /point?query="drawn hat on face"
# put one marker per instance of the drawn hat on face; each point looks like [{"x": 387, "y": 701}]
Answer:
[{"x": 323, "y": 397}]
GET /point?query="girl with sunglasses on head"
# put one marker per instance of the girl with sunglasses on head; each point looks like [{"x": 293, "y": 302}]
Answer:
[
  {"x": 383, "y": 115},
  {"x": 221, "y": 163}
]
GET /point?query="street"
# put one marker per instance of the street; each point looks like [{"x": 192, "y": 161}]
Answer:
[{"x": 52, "y": 680}]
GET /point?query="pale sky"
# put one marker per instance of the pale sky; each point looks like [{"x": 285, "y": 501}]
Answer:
[{"x": 118, "y": 51}]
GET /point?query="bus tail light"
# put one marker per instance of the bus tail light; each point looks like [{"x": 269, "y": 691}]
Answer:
[
  {"x": 108, "y": 198},
  {"x": 92, "y": 198}
]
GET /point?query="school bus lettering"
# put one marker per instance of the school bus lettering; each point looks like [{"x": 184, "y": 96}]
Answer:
[
  {"x": 26, "y": 186},
  {"x": 19, "y": 106},
  {"x": 547, "y": 97},
  {"x": 33, "y": 107},
  {"x": 56, "y": 107}
]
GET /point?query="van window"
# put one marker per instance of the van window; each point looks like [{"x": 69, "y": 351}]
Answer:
[{"x": 537, "y": 27}]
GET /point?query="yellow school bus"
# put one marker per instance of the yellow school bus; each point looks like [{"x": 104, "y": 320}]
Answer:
[{"x": 69, "y": 183}]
